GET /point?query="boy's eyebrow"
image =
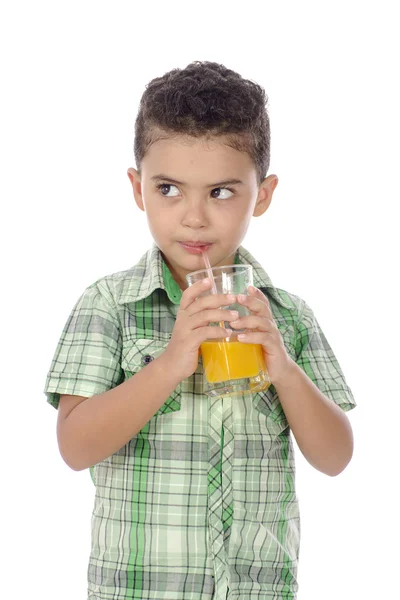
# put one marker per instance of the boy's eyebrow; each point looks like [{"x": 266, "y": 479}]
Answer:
[{"x": 162, "y": 177}]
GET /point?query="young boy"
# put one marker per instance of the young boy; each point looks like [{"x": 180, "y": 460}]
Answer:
[{"x": 195, "y": 496}]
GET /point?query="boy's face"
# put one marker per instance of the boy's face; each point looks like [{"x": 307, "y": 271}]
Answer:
[{"x": 184, "y": 189}]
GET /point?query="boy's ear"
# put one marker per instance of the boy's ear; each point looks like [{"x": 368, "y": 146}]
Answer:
[
  {"x": 265, "y": 194},
  {"x": 134, "y": 178}
]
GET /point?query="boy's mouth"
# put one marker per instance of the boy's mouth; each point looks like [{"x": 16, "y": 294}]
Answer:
[{"x": 195, "y": 247}]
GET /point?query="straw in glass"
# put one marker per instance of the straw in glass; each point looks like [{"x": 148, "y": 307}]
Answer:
[{"x": 211, "y": 276}]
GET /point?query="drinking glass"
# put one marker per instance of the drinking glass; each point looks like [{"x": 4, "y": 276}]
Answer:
[{"x": 231, "y": 366}]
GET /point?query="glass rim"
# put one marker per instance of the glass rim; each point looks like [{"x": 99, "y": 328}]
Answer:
[{"x": 217, "y": 269}]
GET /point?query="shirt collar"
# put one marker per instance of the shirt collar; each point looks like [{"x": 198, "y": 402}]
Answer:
[{"x": 151, "y": 273}]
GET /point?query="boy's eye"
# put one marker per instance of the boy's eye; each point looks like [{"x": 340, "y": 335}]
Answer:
[
  {"x": 165, "y": 188},
  {"x": 219, "y": 193},
  {"x": 224, "y": 193}
]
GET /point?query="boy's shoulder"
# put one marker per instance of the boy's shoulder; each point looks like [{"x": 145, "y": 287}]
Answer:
[
  {"x": 134, "y": 283},
  {"x": 289, "y": 300},
  {"x": 284, "y": 300}
]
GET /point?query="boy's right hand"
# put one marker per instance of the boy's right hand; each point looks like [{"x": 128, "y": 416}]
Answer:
[{"x": 192, "y": 327}]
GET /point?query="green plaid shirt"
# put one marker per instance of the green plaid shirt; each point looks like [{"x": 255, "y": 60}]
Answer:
[{"x": 201, "y": 503}]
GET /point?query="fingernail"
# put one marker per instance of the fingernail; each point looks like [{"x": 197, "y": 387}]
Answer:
[{"x": 242, "y": 298}]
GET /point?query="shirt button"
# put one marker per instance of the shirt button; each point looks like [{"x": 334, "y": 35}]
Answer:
[{"x": 147, "y": 359}]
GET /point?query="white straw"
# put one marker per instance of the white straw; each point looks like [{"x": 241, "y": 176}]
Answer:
[
  {"x": 209, "y": 271},
  {"x": 211, "y": 276}
]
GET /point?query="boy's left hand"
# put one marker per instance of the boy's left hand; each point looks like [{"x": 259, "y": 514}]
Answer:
[{"x": 264, "y": 332}]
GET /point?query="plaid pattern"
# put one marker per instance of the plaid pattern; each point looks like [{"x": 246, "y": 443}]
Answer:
[{"x": 201, "y": 503}]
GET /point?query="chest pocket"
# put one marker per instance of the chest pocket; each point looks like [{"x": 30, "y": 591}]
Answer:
[
  {"x": 136, "y": 355},
  {"x": 267, "y": 402}
]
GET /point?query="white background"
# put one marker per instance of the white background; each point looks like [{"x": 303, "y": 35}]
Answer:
[{"x": 72, "y": 75}]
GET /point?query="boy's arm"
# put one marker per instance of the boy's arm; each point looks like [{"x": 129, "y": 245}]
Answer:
[
  {"x": 92, "y": 429},
  {"x": 321, "y": 428}
]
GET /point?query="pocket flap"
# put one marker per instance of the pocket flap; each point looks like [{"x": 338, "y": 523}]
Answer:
[
  {"x": 268, "y": 403},
  {"x": 138, "y": 353}
]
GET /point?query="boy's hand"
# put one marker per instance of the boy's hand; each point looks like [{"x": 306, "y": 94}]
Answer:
[
  {"x": 264, "y": 331},
  {"x": 192, "y": 328}
]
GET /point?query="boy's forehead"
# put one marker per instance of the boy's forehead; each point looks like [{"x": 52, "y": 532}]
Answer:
[
  {"x": 184, "y": 142},
  {"x": 214, "y": 155}
]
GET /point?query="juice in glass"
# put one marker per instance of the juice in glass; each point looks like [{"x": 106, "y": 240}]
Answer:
[{"x": 225, "y": 360}]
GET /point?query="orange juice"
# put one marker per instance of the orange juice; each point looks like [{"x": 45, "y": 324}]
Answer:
[{"x": 224, "y": 360}]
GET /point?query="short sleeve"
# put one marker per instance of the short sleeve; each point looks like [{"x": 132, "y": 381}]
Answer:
[
  {"x": 315, "y": 356},
  {"x": 88, "y": 355}
]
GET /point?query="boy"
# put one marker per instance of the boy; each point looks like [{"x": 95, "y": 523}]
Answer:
[{"x": 195, "y": 496}]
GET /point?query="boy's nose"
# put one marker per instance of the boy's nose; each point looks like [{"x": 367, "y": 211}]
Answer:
[{"x": 194, "y": 216}]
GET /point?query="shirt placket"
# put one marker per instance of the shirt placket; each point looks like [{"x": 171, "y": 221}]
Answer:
[{"x": 220, "y": 508}]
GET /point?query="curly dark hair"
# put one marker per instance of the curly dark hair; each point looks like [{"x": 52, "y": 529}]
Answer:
[{"x": 204, "y": 100}]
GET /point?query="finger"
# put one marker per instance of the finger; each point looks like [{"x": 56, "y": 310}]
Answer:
[
  {"x": 193, "y": 291},
  {"x": 253, "y": 322},
  {"x": 211, "y": 333},
  {"x": 255, "y": 337},
  {"x": 260, "y": 296},
  {"x": 210, "y": 301},
  {"x": 205, "y": 317},
  {"x": 254, "y": 305},
  {"x": 255, "y": 301}
]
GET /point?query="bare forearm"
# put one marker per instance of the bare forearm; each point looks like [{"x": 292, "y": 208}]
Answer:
[
  {"x": 102, "y": 424},
  {"x": 322, "y": 430}
]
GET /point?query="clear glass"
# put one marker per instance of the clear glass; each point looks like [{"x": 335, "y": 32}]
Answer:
[{"x": 231, "y": 366}]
